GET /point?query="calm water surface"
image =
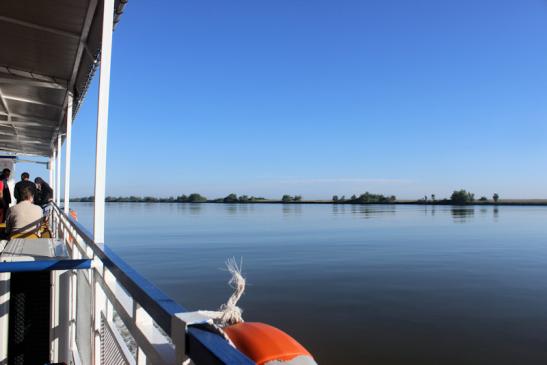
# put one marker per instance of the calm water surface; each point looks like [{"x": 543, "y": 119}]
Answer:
[{"x": 357, "y": 284}]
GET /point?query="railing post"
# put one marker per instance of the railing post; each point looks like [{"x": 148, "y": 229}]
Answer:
[
  {"x": 73, "y": 300},
  {"x": 58, "y": 165},
  {"x": 141, "y": 320},
  {"x": 102, "y": 122},
  {"x": 178, "y": 336},
  {"x": 4, "y": 302},
  {"x": 68, "y": 147},
  {"x": 53, "y": 173},
  {"x": 99, "y": 304}
]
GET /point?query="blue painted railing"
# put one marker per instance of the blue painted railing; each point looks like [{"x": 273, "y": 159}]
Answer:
[
  {"x": 45, "y": 265},
  {"x": 203, "y": 347}
]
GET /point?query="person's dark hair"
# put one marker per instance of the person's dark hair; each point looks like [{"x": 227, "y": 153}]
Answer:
[
  {"x": 27, "y": 193},
  {"x": 6, "y": 170},
  {"x": 39, "y": 180},
  {"x": 25, "y": 175}
]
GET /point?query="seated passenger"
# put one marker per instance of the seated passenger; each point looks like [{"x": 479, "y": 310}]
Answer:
[
  {"x": 25, "y": 217},
  {"x": 25, "y": 181},
  {"x": 44, "y": 194}
]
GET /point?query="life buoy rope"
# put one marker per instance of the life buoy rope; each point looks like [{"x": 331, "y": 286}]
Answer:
[
  {"x": 262, "y": 343},
  {"x": 230, "y": 312}
]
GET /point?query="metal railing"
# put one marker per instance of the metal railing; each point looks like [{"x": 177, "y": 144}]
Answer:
[{"x": 118, "y": 317}]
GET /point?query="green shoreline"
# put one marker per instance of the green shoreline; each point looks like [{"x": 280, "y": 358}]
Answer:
[
  {"x": 458, "y": 197},
  {"x": 508, "y": 202}
]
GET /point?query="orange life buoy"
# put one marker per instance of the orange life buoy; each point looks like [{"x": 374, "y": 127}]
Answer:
[
  {"x": 74, "y": 216},
  {"x": 265, "y": 344}
]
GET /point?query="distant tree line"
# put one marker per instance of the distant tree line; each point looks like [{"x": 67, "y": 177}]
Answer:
[
  {"x": 366, "y": 198},
  {"x": 291, "y": 199},
  {"x": 458, "y": 197},
  {"x": 192, "y": 198},
  {"x": 465, "y": 197},
  {"x": 233, "y": 198}
]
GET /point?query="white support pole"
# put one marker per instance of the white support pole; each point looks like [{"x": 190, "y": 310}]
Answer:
[
  {"x": 102, "y": 122},
  {"x": 50, "y": 167},
  {"x": 53, "y": 173},
  {"x": 68, "y": 146},
  {"x": 58, "y": 165}
]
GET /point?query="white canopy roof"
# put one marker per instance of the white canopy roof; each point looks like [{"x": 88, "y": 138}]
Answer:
[{"x": 47, "y": 50}]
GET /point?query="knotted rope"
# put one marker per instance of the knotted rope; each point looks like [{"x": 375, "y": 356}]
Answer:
[{"x": 230, "y": 313}]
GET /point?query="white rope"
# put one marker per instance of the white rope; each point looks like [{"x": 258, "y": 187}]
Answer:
[{"x": 230, "y": 312}]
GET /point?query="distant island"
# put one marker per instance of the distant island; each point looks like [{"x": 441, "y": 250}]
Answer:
[{"x": 458, "y": 197}]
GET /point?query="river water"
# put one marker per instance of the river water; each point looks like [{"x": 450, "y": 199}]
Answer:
[{"x": 356, "y": 284}]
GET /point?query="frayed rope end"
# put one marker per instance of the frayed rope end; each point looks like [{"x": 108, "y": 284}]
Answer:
[{"x": 230, "y": 312}]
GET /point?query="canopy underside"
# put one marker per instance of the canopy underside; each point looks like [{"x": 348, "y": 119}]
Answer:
[{"x": 48, "y": 49}]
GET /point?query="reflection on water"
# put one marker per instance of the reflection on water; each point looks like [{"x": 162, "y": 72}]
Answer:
[
  {"x": 405, "y": 285},
  {"x": 194, "y": 208},
  {"x": 366, "y": 211},
  {"x": 363, "y": 210},
  {"x": 462, "y": 214},
  {"x": 291, "y": 209},
  {"x": 232, "y": 208}
]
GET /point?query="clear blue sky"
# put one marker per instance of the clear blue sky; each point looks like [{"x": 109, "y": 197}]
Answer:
[{"x": 321, "y": 97}]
